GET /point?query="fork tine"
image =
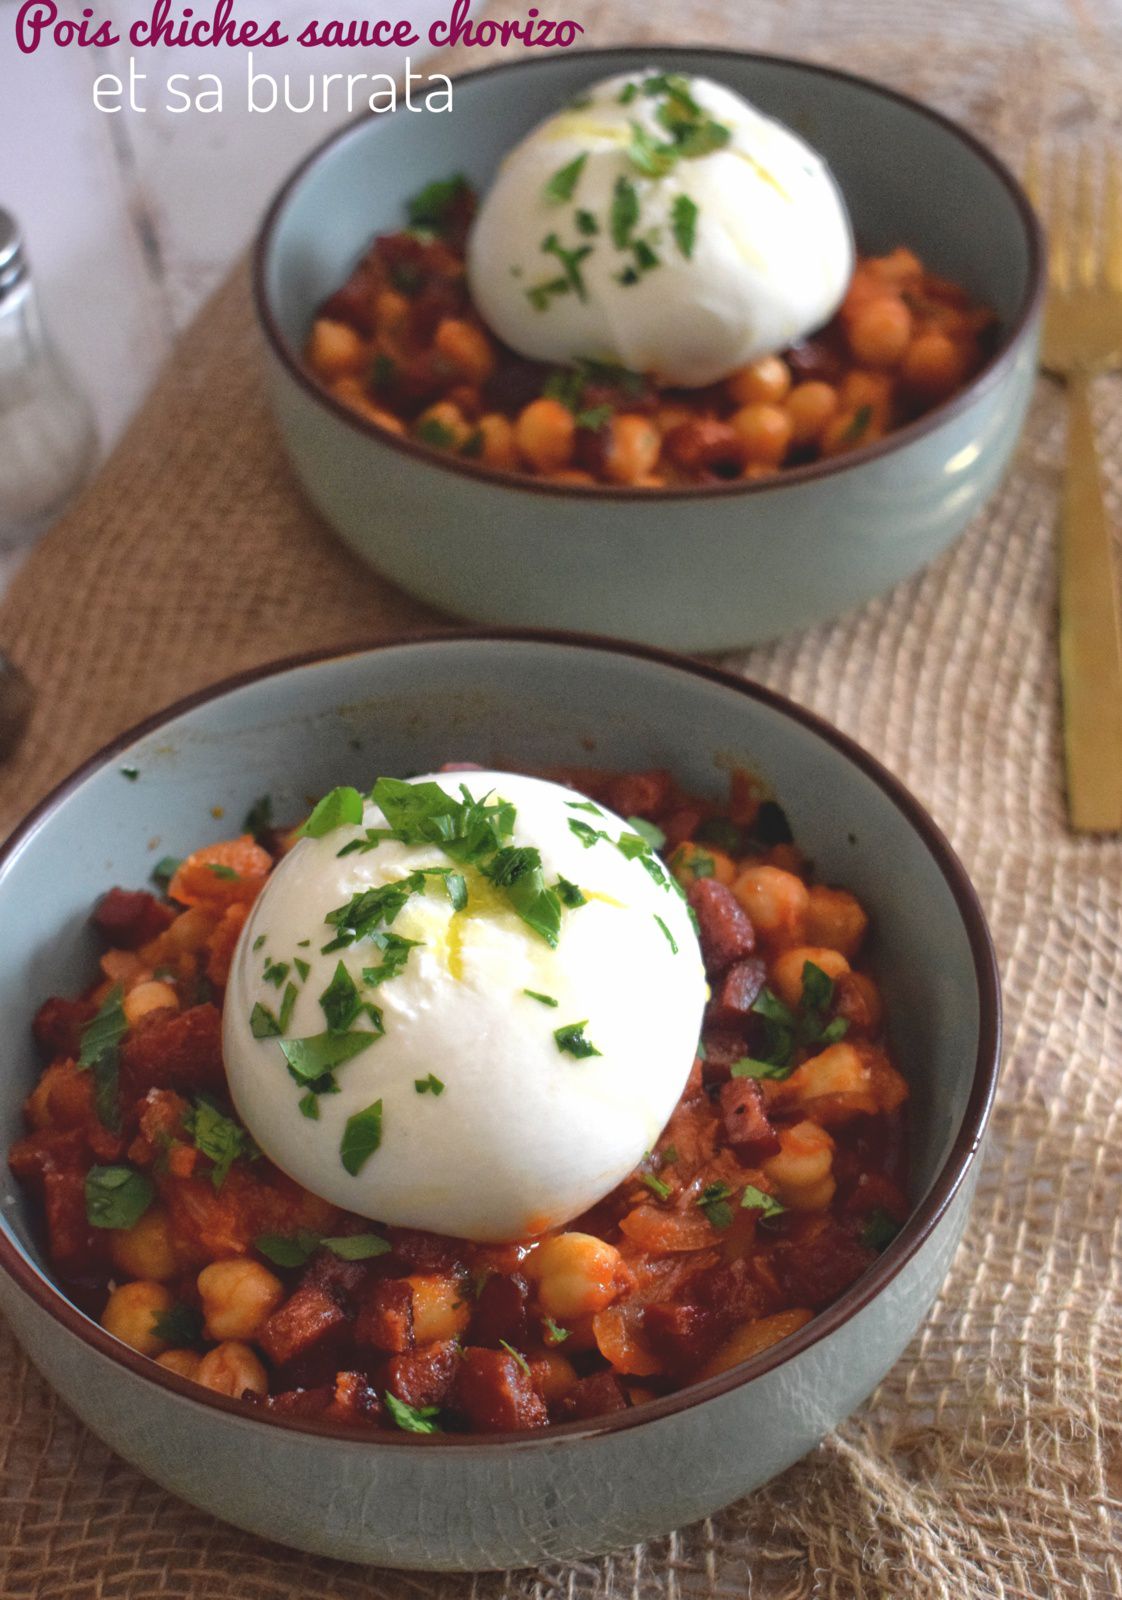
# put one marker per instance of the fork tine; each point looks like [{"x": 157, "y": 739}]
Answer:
[
  {"x": 1086, "y": 235},
  {"x": 1059, "y": 223},
  {"x": 1112, "y": 221}
]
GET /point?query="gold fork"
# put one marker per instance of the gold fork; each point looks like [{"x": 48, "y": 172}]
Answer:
[{"x": 1082, "y": 337}]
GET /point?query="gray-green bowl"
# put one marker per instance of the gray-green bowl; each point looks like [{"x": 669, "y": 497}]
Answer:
[
  {"x": 512, "y": 701},
  {"x": 701, "y": 568}
]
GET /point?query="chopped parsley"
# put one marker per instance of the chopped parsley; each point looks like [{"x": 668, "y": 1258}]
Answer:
[
  {"x": 570, "y": 1039},
  {"x": 670, "y": 939},
  {"x": 302, "y": 968},
  {"x": 556, "y": 1334},
  {"x": 259, "y": 819},
  {"x": 412, "y": 1419},
  {"x": 263, "y": 1024},
  {"x": 131, "y": 773},
  {"x": 570, "y": 262},
  {"x": 310, "y": 1059},
  {"x": 275, "y": 972},
  {"x": 287, "y": 1250},
  {"x": 222, "y": 871},
  {"x": 754, "y": 1199},
  {"x": 288, "y": 1001},
  {"x": 341, "y": 808},
  {"x": 165, "y": 870},
  {"x": 880, "y": 1230},
  {"x": 117, "y": 1197},
  {"x": 100, "y": 1053},
  {"x": 563, "y": 183},
  {"x": 624, "y": 214},
  {"x": 342, "y": 1005},
  {"x": 430, "y": 1085},
  {"x": 542, "y": 999},
  {"x": 584, "y": 805},
  {"x": 435, "y": 204},
  {"x": 361, "y": 1138},
  {"x": 714, "y": 1201},
  {"x": 455, "y": 885},
  {"x": 655, "y": 1185},
  {"x": 587, "y": 224},
  {"x": 179, "y": 1325},
  {"x": 395, "y": 954},
  {"x": 683, "y": 224},
  {"x": 517, "y": 1356},
  {"x": 859, "y": 425},
  {"x": 430, "y": 430},
  {"x": 786, "y": 1031},
  {"x": 217, "y": 1136},
  {"x": 258, "y": 943},
  {"x": 569, "y": 894},
  {"x": 650, "y": 831}
]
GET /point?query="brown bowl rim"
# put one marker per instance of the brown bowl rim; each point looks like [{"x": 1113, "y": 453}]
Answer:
[
  {"x": 988, "y": 376},
  {"x": 916, "y": 1231}
]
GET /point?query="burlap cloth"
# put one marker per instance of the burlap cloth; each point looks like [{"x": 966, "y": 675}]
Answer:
[{"x": 990, "y": 1461}]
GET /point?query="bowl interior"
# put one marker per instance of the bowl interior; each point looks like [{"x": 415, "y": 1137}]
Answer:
[
  {"x": 407, "y": 708},
  {"x": 907, "y": 176}
]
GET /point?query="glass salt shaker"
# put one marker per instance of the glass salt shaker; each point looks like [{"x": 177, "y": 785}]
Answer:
[{"x": 48, "y": 439}]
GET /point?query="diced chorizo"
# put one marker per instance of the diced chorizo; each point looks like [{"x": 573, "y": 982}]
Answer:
[
  {"x": 307, "y": 1332},
  {"x": 423, "y": 1252},
  {"x": 178, "y": 1052},
  {"x": 737, "y": 992},
  {"x": 58, "y": 1026},
  {"x": 344, "y": 1281},
  {"x": 128, "y": 918},
  {"x": 727, "y": 935},
  {"x": 746, "y": 1121},
  {"x": 354, "y": 1400},
  {"x": 820, "y": 1260},
  {"x": 681, "y": 1334},
  {"x": 495, "y": 1395},
  {"x": 385, "y": 1317},
  {"x": 638, "y": 794},
  {"x": 597, "y": 1396},
  {"x": 423, "y": 1377},
  {"x": 500, "y": 1311}
]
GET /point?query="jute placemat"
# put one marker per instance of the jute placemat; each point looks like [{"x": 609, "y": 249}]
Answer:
[{"x": 989, "y": 1464}]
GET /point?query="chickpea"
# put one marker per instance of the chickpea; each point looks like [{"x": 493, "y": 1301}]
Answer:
[
  {"x": 466, "y": 348},
  {"x": 441, "y": 1308},
  {"x": 860, "y": 388},
  {"x": 693, "y": 861},
  {"x": 354, "y": 394},
  {"x": 335, "y": 348},
  {"x": 879, "y": 334},
  {"x": 632, "y": 449},
  {"x": 145, "y": 1250},
  {"x": 391, "y": 311},
  {"x": 838, "y": 1070},
  {"x": 705, "y": 444},
  {"x": 146, "y": 997},
  {"x": 573, "y": 476},
  {"x": 237, "y": 1295},
  {"x": 802, "y": 1169},
  {"x": 232, "y": 1368},
  {"x": 184, "y": 1362},
  {"x": 443, "y": 426},
  {"x": 576, "y": 1275},
  {"x": 671, "y": 416},
  {"x": 767, "y": 381},
  {"x": 545, "y": 434},
  {"x": 498, "y": 448},
  {"x": 810, "y": 407},
  {"x": 933, "y": 365},
  {"x": 835, "y": 917},
  {"x": 776, "y": 902},
  {"x": 786, "y": 974},
  {"x": 553, "y": 1374},
  {"x": 764, "y": 432},
  {"x": 131, "y": 1313}
]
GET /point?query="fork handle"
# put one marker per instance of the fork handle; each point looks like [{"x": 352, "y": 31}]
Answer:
[{"x": 1090, "y": 633}]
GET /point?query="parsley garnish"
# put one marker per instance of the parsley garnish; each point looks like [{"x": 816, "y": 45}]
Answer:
[
  {"x": 258, "y": 943},
  {"x": 542, "y": 999},
  {"x": 880, "y": 1230},
  {"x": 683, "y": 223},
  {"x": 361, "y": 1137},
  {"x": 220, "y": 870},
  {"x": 670, "y": 939},
  {"x": 117, "y": 1197},
  {"x": 342, "y": 1005},
  {"x": 263, "y": 1024},
  {"x": 754, "y": 1199},
  {"x": 412, "y": 1419},
  {"x": 131, "y": 773},
  {"x": 584, "y": 805},
  {"x": 572, "y": 1041},
  {"x": 430, "y": 430},
  {"x": 395, "y": 951},
  {"x": 341, "y": 808},
  {"x": 217, "y": 1136},
  {"x": 517, "y": 1356},
  {"x": 259, "y": 819},
  {"x": 655, "y": 1185},
  {"x": 165, "y": 870},
  {"x": 275, "y": 973},
  {"x": 455, "y": 885},
  {"x": 100, "y": 1052},
  {"x": 287, "y": 1250},
  {"x": 433, "y": 205},
  {"x": 861, "y": 420},
  {"x": 570, "y": 262},
  {"x": 556, "y": 1333},
  {"x": 179, "y": 1325},
  {"x": 564, "y": 181},
  {"x": 302, "y": 969},
  {"x": 569, "y": 894},
  {"x": 311, "y": 1059},
  {"x": 587, "y": 224},
  {"x": 287, "y": 1002},
  {"x": 624, "y": 213},
  {"x": 714, "y": 1201},
  {"x": 786, "y": 1031},
  {"x": 430, "y": 1085},
  {"x": 650, "y": 831}
]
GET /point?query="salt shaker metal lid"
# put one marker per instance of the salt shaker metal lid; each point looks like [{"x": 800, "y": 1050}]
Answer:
[{"x": 13, "y": 261}]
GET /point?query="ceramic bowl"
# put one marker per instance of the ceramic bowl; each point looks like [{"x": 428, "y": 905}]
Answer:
[
  {"x": 302, "y": 727},
  {"x": 756, "y": 559}
]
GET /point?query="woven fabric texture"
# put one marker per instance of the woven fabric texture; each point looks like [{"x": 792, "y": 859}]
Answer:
[{"x": 989, "y": 1464}]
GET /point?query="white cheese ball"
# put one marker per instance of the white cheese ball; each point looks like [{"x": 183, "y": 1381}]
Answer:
[
  {"x": 769, "y": 262},
  {"x": 523, "y": 1135}
]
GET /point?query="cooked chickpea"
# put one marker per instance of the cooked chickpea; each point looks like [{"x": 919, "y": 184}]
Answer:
[
  {"x": 849, "y": 430},
  {"x": 441, "y": 1306},
  {"x": 764, "y": 432},
  {"x": 499, "y": 449},
  {"x": 810, "y": 407},
  {"x": 767, "y": 380},
  {"x": 466, "y": 348},
  {"x": 237, "y": 1295},
  {"x": 802, "y": 1169},
  {"x": 184, "y": 1362},
  {"x": 335, "y": 348},
  {"x": 835, "y": 917},
  {"x": 545, "y": 434},
  {"x": 776, "y": 902},
  {"x": 443, "y": 426},
  {"x": 933, "y": 365},
  {"x": 576, "y": 1275},
  {"x": 146, "y": 997},
  {"x": 145, "y": 1250},
  {"x": 232, "y": 1368},
  {"x": 632, "y": 449},
  {"x": 693, "y": 861},
  {"x": 554, "y": 1375},
  {"x": 391, "y": 311},
  {"x": 353, "y": 393},
  {"x": 840, "y": 1069},
  {"x": 131, "y": 1314},
  {"x": 786, "y": 972},
  {"x": 879, "y": 334}
]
